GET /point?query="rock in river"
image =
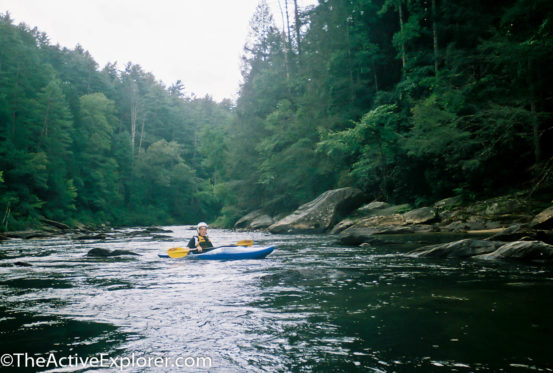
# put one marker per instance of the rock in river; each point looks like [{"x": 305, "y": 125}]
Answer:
[
  {"x": 99, "y": 252},
  {"x": 320, "y": 214}
]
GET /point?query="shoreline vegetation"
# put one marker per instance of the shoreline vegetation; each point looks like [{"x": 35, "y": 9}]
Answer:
[
  {"x": 513, "y": 226},
  {"x": 404, "y": 102}
]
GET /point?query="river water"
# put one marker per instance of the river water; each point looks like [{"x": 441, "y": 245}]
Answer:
[{"x": 310, "y": 306}]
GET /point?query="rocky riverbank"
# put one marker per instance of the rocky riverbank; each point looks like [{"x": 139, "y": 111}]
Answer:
[{"x": 515, "y": 218}]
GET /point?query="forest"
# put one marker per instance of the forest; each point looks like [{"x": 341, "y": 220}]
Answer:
[{"x": 408, "y": 100}]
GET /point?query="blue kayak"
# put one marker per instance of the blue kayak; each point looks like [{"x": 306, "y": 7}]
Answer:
[{"x": 229, "y": 253}]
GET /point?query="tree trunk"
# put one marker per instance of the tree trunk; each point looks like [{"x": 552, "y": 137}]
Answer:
[
  {"x": 14, "y": 106},
  {"x": 286, "y": 49},
  {"x": 297, "y": 27},
  {"x": 288, "y": 26},
  {"x": 44, "y": 131},
  {"x": 400, "y": 12},
  {"x": 375, "y": 75},
  {"x": 134, "y": 111},
  {"x": 351, "y": 91},
  {"x": 435, "y": 36},
  {"x": 141, "y": 135},
  {"x": 533, "y": 111}
]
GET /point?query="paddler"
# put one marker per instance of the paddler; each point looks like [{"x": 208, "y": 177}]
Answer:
[{"x": 201, "y": 240}]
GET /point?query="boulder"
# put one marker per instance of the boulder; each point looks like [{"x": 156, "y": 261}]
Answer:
[
  {"x": 522, "y": 250},
  {"x": 22, "y": 264},
  {"x": 358, "y": 235},
  {"x": 448, "y": 203},
  {"x": 246, "y": 220},
  {"x": 99, "y": 252},
  {"x": 423, "y": 215},
  {"x": 261, "y": 222},
  {"x": 457, "y": 227},
  {"x": 320, "y": 214},
  {"x": 544, "y": 220},
  {"x": 458, "y": 249}
]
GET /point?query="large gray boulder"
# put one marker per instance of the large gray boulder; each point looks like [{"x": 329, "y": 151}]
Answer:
[
  {"x": 458, "y": 249},
  {"x": 544, "y": 220},
  {"x": 522, "y": 250},
  {"x": 320, "y": 214}
]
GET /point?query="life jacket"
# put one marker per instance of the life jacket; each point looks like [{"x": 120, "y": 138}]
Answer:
[{"x": 203, "y": 241}]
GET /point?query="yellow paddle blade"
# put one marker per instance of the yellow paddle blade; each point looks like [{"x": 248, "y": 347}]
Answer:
[
  {"x": 244, "y": 243},
  {"x": 178, "y": 252}
]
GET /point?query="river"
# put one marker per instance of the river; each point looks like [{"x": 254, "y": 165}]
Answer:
[{"x": 311, "y": 306}]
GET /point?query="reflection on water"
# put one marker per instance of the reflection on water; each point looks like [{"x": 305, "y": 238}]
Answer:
[{"x": 310, "y": 306}]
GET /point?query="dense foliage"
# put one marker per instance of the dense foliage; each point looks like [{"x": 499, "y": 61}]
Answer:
[
  {"x": 90, "y": 145},
  {"x": 410, "y": 100}
]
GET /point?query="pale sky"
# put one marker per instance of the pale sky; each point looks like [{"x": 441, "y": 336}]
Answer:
[{"x": 197, "y": 41}]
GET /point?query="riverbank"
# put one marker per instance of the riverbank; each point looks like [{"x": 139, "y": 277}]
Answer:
[{"x": 518, "y": 217}]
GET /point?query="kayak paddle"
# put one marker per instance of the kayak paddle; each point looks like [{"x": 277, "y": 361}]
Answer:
[{"x": 181, "y": 252}]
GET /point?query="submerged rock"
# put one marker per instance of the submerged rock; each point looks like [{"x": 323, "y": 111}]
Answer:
[
  {"x": 22, "y": 264},
  {"x": 320, "y": 214},
  {"x": 458, "y": 249},
  {"x": 99, "y": 252}
]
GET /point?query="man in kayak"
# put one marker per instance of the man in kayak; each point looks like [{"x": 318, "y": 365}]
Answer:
[{"x": 200, "y": 241}]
